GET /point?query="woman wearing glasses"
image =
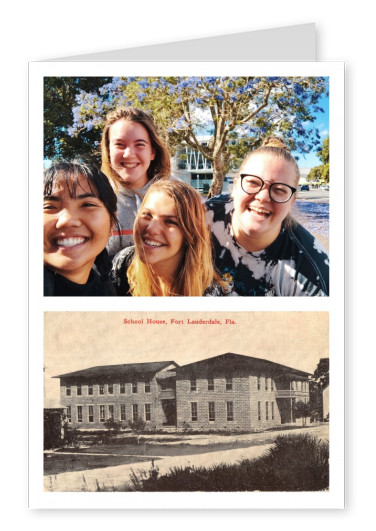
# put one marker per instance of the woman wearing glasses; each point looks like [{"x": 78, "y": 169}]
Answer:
[{"x": 259, "y": 248}]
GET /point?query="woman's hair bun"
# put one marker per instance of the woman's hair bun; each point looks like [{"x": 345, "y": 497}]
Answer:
[{"x": 273, "y": 141}]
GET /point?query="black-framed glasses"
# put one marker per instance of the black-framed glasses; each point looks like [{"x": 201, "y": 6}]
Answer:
[{"x": 278, "y": 192}]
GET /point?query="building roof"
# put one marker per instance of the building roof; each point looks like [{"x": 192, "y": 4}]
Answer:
[
  {"x": 125, "y": 369},
  {"x": 230, "y": 361}
]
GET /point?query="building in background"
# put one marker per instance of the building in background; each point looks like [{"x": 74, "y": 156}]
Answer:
[
  {"x": 189, "y": 165},
  {"x": 230, "y": 391}
]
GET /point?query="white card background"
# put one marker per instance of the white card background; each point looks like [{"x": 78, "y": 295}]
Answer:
[{"x": 333, "y": 304}]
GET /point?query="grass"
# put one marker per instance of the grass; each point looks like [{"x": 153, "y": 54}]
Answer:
[{"x": 294, "y": 463}]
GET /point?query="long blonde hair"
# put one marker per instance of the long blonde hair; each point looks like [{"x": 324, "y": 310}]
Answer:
[
  {"x": 196, "y": 272},
  {"x": 159, "y": 168}
]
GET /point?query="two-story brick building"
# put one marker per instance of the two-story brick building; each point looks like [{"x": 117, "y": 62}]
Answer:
[
  {"x": 230, "y": 391},
  {"x": 121, "y": 392}
]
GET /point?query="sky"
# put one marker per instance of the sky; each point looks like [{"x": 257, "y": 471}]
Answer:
[
  {"x": 311, "y": 160},
  {"x": 78, "y": 340}
]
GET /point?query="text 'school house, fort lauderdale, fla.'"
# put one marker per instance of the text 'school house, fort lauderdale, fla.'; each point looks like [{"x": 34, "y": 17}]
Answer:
[{"x": 229, "y": 391}]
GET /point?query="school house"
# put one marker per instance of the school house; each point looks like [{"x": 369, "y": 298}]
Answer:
[{"x": 226, "y": 392}]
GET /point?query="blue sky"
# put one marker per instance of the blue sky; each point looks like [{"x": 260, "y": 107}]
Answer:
[{"x": 322, "y": 123}]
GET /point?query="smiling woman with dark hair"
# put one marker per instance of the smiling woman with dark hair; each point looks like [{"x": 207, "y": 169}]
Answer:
[
  {"x": 259, "y": 248},
  {"x": 79, "y": 213}
]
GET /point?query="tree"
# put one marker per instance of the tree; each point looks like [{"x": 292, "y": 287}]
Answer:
[
  {"x": 235, "y": 111},
  {"x": 315, "y": 174},
  {"x": 302, "y": 410},
  {"x": 321, "y": 374},
  {"x": 321, "y": 172},
  {"x": 59, "y": 98},
  {"x": 320, "y": 380}
]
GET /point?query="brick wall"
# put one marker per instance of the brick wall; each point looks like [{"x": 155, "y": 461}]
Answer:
[
  {"x": 116, "y": 399},
  {"x": 238, "y": 396}
]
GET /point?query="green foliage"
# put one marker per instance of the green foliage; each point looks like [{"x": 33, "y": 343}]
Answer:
[
  {"x": 235, "y": 111},
  {"x": 315, "y": 174},
  {"x": 59, "y": 98},
  {"x": 294, "y": 463},
  {"x": 323, "y": 153},
  {"x": 321, "y": 172}
]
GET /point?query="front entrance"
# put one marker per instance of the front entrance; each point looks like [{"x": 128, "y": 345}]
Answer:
[{"x": 169, "y": 409}]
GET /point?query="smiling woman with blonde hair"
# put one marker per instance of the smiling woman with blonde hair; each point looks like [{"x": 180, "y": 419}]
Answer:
[
  {"x": 259, "y": 247},
  {"x": 172, "y": 253}
]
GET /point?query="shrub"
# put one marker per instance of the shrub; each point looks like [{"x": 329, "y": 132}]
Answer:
[
  {"x": 112, "y": 426},
  {"x": 294, "y": 463},
  {"x": 138, "y": 426}
]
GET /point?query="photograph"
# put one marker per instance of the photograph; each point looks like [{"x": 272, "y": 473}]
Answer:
[
  {"x": 186, "y": 186},
  {"x": 139, "y": 402}
]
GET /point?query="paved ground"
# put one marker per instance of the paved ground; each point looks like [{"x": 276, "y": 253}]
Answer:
[
  {"x": 316, "y": 196},
  {"x": 115, "y": 476}
]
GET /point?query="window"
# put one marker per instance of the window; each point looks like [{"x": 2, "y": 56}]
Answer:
[
  {"x": 194, "y": 385},
  {"x": 134, "y": 387},
  {"x": 102, "y": 417},
  {"x": 79, "y": 390},
  {"x": 101, "y": 389},
  {"x": 79, "y": 413},
  {"x": 69, "y": 413},
  {"x": 110, "y": 412},
  {"x": 258, "y": 383},
  {"x": 135, "y": 412},
  {"x": 266, "y": 383},
  {"x": 68, "y": 390},
  {"x": 147, "y": 411},
  {"x": 259, "y": 410},
  {"x": 193, "y": 411},
  {"x": 91, "y": 413},
  {"x": 147, "y": 386},
  {"x": 293, "y": 386},
  {"x": 230, "y": 411},
  {"x": 272, "y": 410},
  {"x": 271, "y": 384},
  {"x": 110, "y": 389},
  {"x": 122, "y": 388},
  {"x": 299, "y": 386},
  {"x": 228, "y": 384},
  {"x": 122, "y": 412},
  {"x": 211, "y": 411},
  {"x": 210, "y": 384},
  {"x": 89, "y": 389},
  {"x": 266, "y": 410}
]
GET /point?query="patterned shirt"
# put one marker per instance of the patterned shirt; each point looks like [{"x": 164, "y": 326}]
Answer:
[{"x": 295, "y": 264}]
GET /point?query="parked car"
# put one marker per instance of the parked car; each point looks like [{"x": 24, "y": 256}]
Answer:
[{"x": 304, "y": 188}]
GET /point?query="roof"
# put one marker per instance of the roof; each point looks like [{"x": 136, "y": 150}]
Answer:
[
  {"x": 125, "y": 369},
  {"x": 231, "y": 361}
]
